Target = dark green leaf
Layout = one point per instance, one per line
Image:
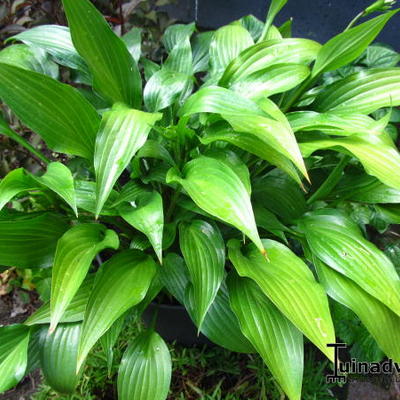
(145, 370)
(115, 73)
(203, 248)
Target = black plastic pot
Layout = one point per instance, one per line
(174, 324)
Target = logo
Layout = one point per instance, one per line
(342, 369)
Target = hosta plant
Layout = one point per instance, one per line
(242, 177)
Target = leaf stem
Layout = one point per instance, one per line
(331, 181)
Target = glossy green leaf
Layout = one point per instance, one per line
(348, 45)
(276, 339)
(203, 248)
(14, 340)
(65, 120)
(220, 324)
(377, 153)
(131, 191)
(366, 189)
(145, 370)
(75, 252)
(115, 73)
(133, 41)
(390, 213)
(334, 123)
(177, 33)
(28, 241)
(253, 25)
(227, 44)
(267, 53)
(146, 215)
(121, 284)
(279, 194)
(33, 59)
(380, 56)
(163, 89)
(123, 132)
(291, 286)
(337, 241)
(180, 58)
(154, 149)
(274, 8)
(257, 145)
(267, 220)
(216, 189)
(74, 311)
(56, 41)
(15, 182)
(274, 79)
(85, 192)
(233, 161)
(59, 179)
(266, 122)
(382, 323)
(363, 92)
(58, 356)
(200, 51)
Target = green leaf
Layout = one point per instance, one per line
(56, 41)
(271, 333)
(265, 120)
(122, 283)
(15, 182)
(274, 79)
(267, 53)
(145, 369)
(348, 45)
(85, 192)
(59, 179)
(29, 240)
(291, 286)
(274, 8)
(233, 161)
(75, 252)
(133, 41)
(220, 324)
(381, 322)
(177, 33)
(227, 43)
(122, 133)
(217, 189)
(154, 149)
(109, 339)
(258, 145)
(337, 241)
(163, 89)
(366, 189)
(363, 92)
(253, 25)
(200, 51)
(267, 220)
(58, 356)
(279, 194)
(115, 73)
(377, 153)
(74, 311)
(180, 58)
(203, 248)
(146, 215)
(14, 340)
(33, 59)
(380, 56)
(334, 123)
(65, 120)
